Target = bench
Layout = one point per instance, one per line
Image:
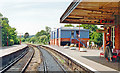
(118, 54)
(114, 56)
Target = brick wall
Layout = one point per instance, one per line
(51, 41)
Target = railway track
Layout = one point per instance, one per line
(20, 64)
(49, 63)
(71, 65)
(52, 61)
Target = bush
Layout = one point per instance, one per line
(16, 41)
(23, 40)
(11, 42)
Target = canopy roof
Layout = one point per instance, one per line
(91, 11)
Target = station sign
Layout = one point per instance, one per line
(101, 31)
(107, 21)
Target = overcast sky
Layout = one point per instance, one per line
(33, 15)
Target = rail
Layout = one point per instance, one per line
(45, 64)
(70, 62)
(19, 58)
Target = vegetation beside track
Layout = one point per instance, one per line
(42, 37)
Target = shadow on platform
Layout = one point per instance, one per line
(102, 60)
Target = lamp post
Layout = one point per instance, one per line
(7, 38)
(20, 37)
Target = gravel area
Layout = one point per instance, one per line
(35, 62)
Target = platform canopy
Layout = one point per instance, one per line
(91, 12)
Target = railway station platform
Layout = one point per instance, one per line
(7, 50)
(90, 59)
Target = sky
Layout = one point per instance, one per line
(33, 15)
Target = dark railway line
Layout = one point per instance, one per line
(69, 63)
(52, 62)
(49, 63)
(20, 64)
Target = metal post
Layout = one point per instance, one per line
(79, 36)
(7, 38)
(20, 39)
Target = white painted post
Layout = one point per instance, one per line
(103, 42)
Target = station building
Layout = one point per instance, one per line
(96, 12)
(69, 35)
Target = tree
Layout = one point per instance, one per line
(23, 39)
(26, 35)
(97, 38)
(0, 19)
(27, 39)
(48, 29)
(33, 39)
(43, 39)
(42, 32)
(1, 14)
(8, 32)
(93, 35)
(43, 36)
(90, 27)
(68, 25)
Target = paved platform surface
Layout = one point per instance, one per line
(7, 50)
(80, 57)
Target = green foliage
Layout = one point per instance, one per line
(27, 40)
(42, 37)
(10, 32)
(23, 39)
(93, 35)
(42, 32)
(32, 39)
(97, 38)
(90, 27)
(16, 41)
(26, 35)
(1, 14)
(48, 29)
(68, 25)
(11, 42)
